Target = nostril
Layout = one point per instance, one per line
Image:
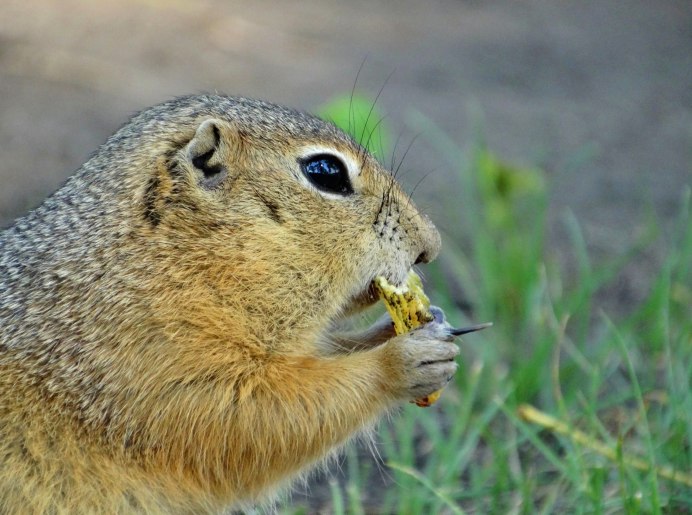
(422, 258)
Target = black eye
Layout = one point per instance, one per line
(328, 173)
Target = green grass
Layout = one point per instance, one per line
(623, 383)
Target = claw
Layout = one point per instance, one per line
(469, 329)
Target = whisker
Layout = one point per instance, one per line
(374, 129)
(351, 113)
(380, 145)
(408, 148)
(372, 107)
(395, 172)
(410, 195)
(396, 145)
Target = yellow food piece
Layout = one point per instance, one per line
(409, 308)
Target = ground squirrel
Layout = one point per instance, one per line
(166, 317)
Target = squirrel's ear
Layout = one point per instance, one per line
(205, 153)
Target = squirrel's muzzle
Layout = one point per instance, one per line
(427, 245)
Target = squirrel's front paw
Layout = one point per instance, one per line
(422, 360)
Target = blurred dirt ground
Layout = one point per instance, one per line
(600, 93)
(597, 93)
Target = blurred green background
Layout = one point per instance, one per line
(550, 142)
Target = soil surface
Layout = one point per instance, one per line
(598, 94)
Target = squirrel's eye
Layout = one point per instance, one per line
(328, 173)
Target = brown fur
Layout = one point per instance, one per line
(165, 336)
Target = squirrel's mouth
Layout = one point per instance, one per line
(367, 294)
(362, 300)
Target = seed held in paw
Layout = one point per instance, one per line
(409, 307)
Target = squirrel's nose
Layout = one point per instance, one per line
(422, 258)
(430, 241)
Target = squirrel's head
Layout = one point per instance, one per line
(275, 212)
